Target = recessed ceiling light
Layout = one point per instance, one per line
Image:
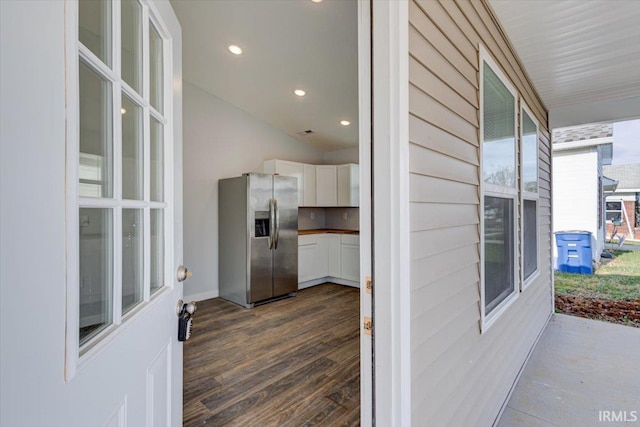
(300, 92)
(235, 49)
(316, 1)
(123, 110)
(345, 122)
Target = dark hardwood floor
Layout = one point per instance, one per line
(293, 362)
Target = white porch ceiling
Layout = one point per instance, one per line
(287, 45)
(583, 57)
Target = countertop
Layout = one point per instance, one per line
(326, 231)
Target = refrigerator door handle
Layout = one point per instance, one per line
(277, 232)
(271, 221)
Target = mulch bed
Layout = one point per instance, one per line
(615, 311)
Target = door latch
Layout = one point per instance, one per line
(185, 319)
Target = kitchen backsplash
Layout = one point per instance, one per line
(319, 218)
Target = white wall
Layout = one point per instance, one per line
(575, 193)
(221, 141)
(338, 157)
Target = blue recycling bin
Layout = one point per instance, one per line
(574, 252)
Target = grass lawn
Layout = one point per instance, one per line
(619, 279)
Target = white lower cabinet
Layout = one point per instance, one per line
(329, 256)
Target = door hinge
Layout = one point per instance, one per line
(367, 325)
(368, 284)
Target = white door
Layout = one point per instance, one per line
(91, 213)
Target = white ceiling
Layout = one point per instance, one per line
(583, 57)
(286, 45)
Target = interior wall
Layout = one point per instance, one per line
(221, 141)
(338, 157)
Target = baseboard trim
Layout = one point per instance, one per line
(201, 296)
(328, 279)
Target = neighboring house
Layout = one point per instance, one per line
(579, 156)
(623, 205)
(461, 205)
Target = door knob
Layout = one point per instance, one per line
(183, 273)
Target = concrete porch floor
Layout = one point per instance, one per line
(579, 367)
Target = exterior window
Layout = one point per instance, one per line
(529, 193)
(120, 164)
(614, 211)
(499, 187)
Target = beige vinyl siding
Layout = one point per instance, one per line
(461, 376)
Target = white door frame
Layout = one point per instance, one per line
(391, 251)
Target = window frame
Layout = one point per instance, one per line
(77, 356)
(529, 195)
(606, 211)
(492, 190)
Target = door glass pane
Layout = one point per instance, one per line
(155, 68)
(96, 261)
(529, 154)
(94, 30)
(157, 249)
(530, 236)
(131, 150)
(157, 161)
(96, 142)
(132, 258)
(499, 144)
(132, 43)
(498, 250)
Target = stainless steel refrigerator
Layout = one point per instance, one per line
(258, 238)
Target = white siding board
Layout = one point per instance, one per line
(431, 33)
(435, 298)
(428, 216)
(427, 270)
(460, 375)
(436, 190)
(428, 136)
(431, 163)
(451, 31)
(430, 242)
(428, 56)
(427, 108)
(429, 83)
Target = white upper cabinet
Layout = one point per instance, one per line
(348, 185)
(286, 168)
(320, 185)
(309, 185)
(326, 185)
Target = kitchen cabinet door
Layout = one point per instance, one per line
(350, 258)
(309, 185)
(326, 185)
(323, 255)
(286, 168)
(334, 256)
(307, 263)
(348, 185)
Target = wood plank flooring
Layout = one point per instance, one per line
(293, 362)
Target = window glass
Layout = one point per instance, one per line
(157, 161)
(132, 43)
(498, 250)
(95, 271)
(614, 211)
(157, 249)
(96, 142)
(530, 236)
(132, 156)
(155, 69)
(132, 258)
(499, 138)
(529, 154)
(94, 29)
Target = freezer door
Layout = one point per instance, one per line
(260, 230)
(285, 252)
